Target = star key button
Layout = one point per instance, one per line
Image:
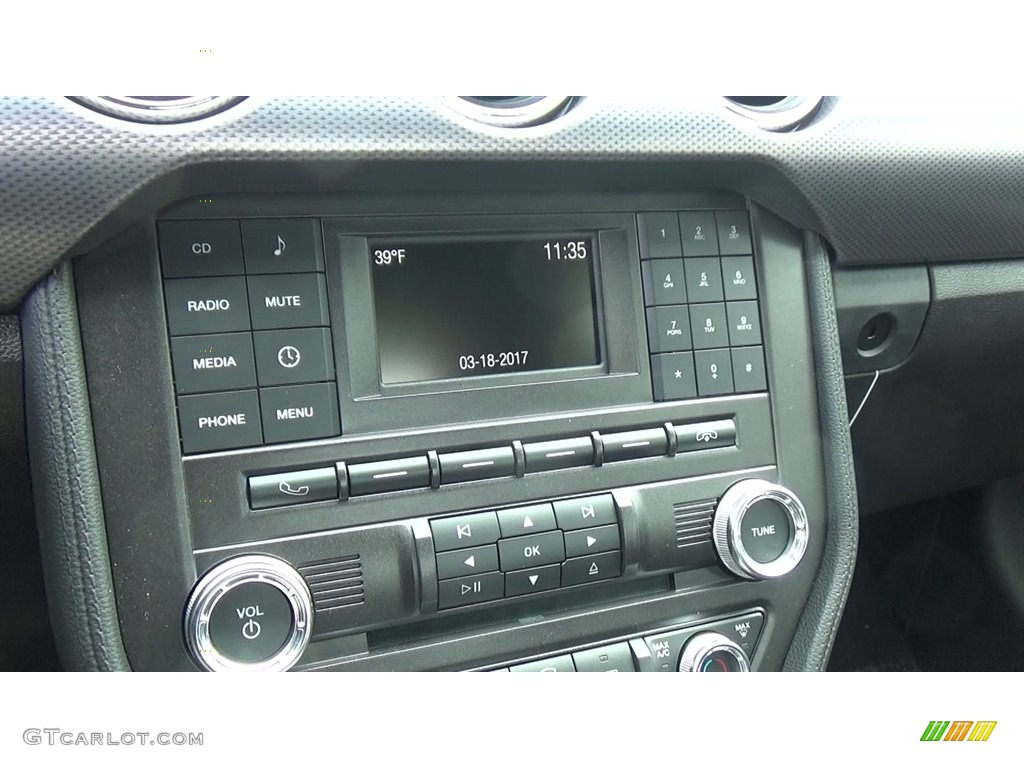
(673, 376)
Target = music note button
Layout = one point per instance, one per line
(274, 246)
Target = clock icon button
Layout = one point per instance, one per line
(288, 356)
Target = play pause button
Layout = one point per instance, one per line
(451, 593)
(533, 580)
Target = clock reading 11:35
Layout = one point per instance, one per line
(566, 250)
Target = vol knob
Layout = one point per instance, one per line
(250, 613)
(760, 529)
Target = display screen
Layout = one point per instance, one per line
(479, 307)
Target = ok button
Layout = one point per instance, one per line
(531, 551)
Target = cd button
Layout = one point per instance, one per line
(200, 248)
(525, 551)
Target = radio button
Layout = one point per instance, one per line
(453, 593)
(467, 562)
(532, 580)
(709, 326)
(477, 465)
(464, 531)
(709, 434)
(733, 233)
(668, 329)
(583, 570)
(211, 363)
(526, 551)
(282, 245)
(698, 233)
(673, 376)
(293, 357)
(659, 233)
(638, 444)
(303, 412)
(523, 520)
(288, 301)
(393, 475)
(200, 248)
(206, 305)
(220, 421)
(587, 541)
(588, 512)
(288, 488)
(714, 372)
(559, 454)
(664, 282)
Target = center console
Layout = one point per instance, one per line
(456, 434)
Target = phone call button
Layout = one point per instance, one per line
(293, 488)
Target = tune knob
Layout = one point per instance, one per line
(712, 652)
(760, 530)
(250, 613)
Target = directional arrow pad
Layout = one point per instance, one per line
(533, 580)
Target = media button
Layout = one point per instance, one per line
(299, 413)
(282, 245)
(220, 421)
(288, 301)
(212, 363)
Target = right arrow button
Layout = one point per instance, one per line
(590, 541)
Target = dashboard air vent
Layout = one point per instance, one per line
(161, 110)
(511, 111)
(335, 583)
(775, 113)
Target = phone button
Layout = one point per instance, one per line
(293, 488)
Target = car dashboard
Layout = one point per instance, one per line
(493, 384)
